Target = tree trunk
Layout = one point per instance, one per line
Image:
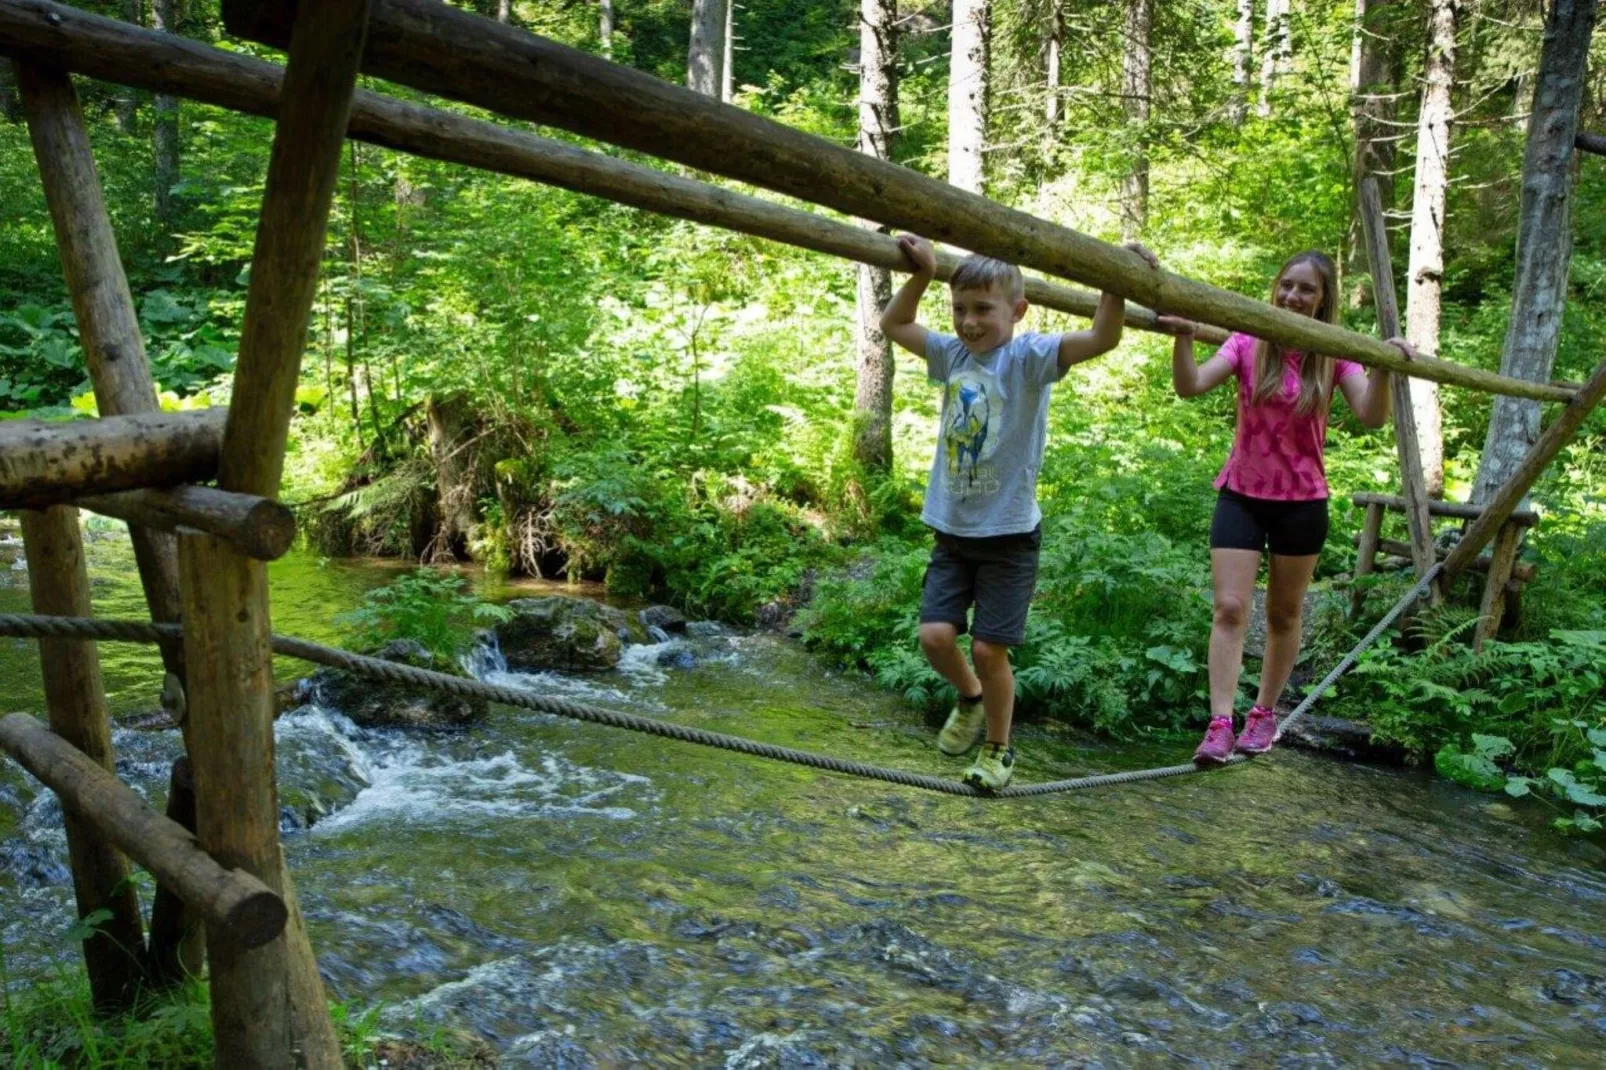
(503, 10)
(452, 429)
(127, 101)
(1425, 271)
(1243, 58)
(727, 68)
(967, 96)
(1135, 84)
(1544, 238)
(1278, 52)
(878, 120)
(1374, 73)
(605, 26)
(165, 136)
(1051, 61)
(706, 53)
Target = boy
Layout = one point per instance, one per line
(981, 500)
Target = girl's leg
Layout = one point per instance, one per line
(1233, 573)
(1285, 605)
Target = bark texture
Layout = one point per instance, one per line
(1243, 60)
(705, 54)
(165, 134)
(878, 119)
(967, 96)
(1135, 85)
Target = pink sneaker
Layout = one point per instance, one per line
(1260, 731)
(1217, 745)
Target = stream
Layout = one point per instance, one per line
(581, 896)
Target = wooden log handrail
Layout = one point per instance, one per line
(260, 528)
(439, 49)
(44, 463)
(232, 899)
(1522, 571)
(1526, 518)
(1594, 143)
(1497, 510)
(118, 52)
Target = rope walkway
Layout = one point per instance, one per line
(35, 627)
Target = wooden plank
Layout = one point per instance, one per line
(259, 527)
(58, 585)
(115, 51)
(1493, 610)
(43, 463)
(1412, 482)
(1498, 509)
(440, 49)
(227, 899)
(1521, 572)
(1459, 510)
(1366, 555)
(268, 1005)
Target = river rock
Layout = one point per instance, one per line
(667, 618)
(561, 633)
(1342, 738)
(376, 704)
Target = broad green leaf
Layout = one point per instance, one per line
(1517, 787)
(1492, 747)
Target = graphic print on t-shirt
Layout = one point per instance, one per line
(972, 410)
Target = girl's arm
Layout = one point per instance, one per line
(1370, 395)
(1188, 378)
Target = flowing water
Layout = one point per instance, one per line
(581, 896)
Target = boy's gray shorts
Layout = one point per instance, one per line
(997, 574)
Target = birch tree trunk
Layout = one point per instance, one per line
(127, 101)
(878, 121)
(1051, 61)
(706, 53)
(1135, 85)
(727, 65)
(1425, 271)
(1544, 238)
(605, 26)
(967, 96)
(1243, 58)
(166, 133)
(1278, 52)
(502, 10)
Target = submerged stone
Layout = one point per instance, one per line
(667, 618)
(384, 703)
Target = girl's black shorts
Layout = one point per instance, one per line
(1292, 529)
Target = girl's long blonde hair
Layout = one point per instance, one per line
(1315, 373)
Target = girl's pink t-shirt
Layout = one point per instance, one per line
(1277, 453)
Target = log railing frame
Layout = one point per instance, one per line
(44, 463)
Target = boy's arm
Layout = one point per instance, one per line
(898, 321)
(1108, 320)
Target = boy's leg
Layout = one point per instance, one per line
(1005, 581)
(945, 597)
(939, 640)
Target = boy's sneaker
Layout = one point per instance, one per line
(966, 726)
(1260, 731)
(993, 768)
(1217, 745)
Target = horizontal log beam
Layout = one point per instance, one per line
(439, 49)
(260, 528)
(1595, 143)
(162, 63)
(231, 898)
(43, 463)
(1521, 571)
(1526, 518)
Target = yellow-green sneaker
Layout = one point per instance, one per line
(966, 726)
(994, 766)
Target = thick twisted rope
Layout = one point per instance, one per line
(35, 627)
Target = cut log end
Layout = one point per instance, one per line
(257, 916)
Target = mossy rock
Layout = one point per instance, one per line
(386, 704)
(557, 633)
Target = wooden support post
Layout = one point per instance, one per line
(1501, 560)
(268, 1003)
(1412, 482)
(440, 49)
(1366, 555)
(178, 933)
(1499, 508)
(59, 586)
(95, 797)
(43, 464)
(259, 527)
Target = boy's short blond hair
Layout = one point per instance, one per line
(977, 272)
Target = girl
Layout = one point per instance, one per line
(1273, 489)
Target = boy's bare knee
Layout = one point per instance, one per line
(937, 635)
(989, 657)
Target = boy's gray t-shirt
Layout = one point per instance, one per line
(991, 437)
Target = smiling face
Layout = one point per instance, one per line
(1300, 289)
(985, 318)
